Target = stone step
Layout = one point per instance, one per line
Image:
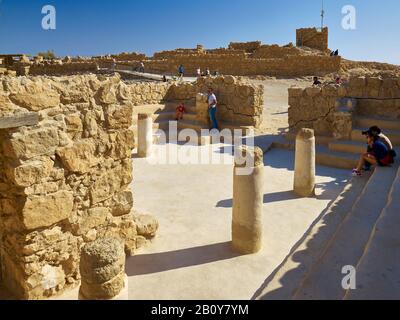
(378, 271)
(187, 124)
(159, 117)
(348, 147)
(384, 124)
(190, 116)
(321, 140)
(378, 107)
(149, 109)
(341, 160)
(350, 240)
(287, 279)
(232, 126)
(393, 135)
(189, 106)
(162, 125)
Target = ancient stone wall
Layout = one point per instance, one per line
(65, 181)
(248, 47)
(239, 102)
(63, 69)
(275, 51)
(238, 65)
(312, 38)
(317, 108)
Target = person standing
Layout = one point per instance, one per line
(181, 71)
(198, 72)
(212, 108)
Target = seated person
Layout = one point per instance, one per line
(376, 131)
(180, 110)
(316, 82)
(378, 154)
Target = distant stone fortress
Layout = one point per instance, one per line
(309, 57)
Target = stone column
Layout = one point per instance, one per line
(304, 171)
(102, 269)
(145, 135)
(248, 201)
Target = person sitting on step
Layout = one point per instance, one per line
(180, 110)
(378, 155)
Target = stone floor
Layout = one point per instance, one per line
(191, 258)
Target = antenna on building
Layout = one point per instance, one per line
(322, 15)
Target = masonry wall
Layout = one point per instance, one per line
(65, 181)
(312, 38)
(63, 69)
(317, 108)
(238, 65)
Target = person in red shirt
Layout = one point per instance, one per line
(180, 110)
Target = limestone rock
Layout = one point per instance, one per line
(146, 225)
(31, 172)
(119, 117)
(80, 157)
(44, 211)
(26, 146)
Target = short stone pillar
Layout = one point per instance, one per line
(248, 196)
(102, 269)
(145, 135)
(304, 171)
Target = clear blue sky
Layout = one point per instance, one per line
(91, 27)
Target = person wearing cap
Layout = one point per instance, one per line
(378, 154)
(376, 131)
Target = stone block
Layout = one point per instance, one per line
(47, 210)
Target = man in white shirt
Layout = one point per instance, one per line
(212, 108)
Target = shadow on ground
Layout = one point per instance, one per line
(315, 247)
(286, 161)
(165, 261)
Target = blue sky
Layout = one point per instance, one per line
(91, 27)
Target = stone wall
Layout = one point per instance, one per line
(312, 38)
(275, 51)
(320, 108)
(65, 181)
(248, 47)
(63, 69)
(238, 65)
(239, 102)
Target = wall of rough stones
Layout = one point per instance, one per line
(239, 102)
(276, 52)
(317, 107)
(312, 38)
(65, 181)
(63, 69)
(236, 64)
(248, 47)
